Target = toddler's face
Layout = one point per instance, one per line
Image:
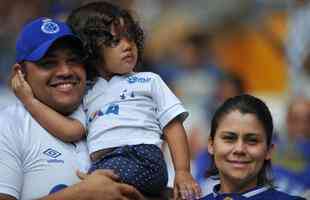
(121, 55)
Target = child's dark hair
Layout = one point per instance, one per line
(246, 104)
(92, 23)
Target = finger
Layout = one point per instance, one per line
(190, 192)
(108, 173)
(112, 175)
(197, 190)
(14, 83)
(175, 192)
(21, 79)
(15, 68)
(20, 76)
(185, 194)
(131, 192)
(81, 175)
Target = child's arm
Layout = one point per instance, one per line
(184, 184)
(65, 128)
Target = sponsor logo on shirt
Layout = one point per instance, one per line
(112, 109)
(135, 79)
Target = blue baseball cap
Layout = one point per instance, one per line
(38, 35)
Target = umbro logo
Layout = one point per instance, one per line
(51, 153)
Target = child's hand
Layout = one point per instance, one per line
(20, 87)
(185, 187)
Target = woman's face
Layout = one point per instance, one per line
(239, 148)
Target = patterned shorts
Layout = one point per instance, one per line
(142, 166)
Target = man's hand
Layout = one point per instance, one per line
(103, 185)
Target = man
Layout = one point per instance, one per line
(33, 163)
(292, 156)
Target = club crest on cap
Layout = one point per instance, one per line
(49, 26)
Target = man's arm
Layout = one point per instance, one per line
(6, 197)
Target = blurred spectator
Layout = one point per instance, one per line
(298, 47)
(301, 76)
(255, 51)
(195, 82)
(292, 155)
(229, 85)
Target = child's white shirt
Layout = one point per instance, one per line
(128, 110)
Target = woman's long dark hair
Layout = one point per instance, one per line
(246, 104)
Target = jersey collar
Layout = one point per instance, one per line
(250, 193)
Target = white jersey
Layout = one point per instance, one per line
(128, 110)
(33, 163)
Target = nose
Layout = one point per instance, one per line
(239, 147)
(126, 44)
(63, 69)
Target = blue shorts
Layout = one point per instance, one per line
(142, 166)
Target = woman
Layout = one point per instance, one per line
(240, 145)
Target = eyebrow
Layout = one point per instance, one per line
(246, 134)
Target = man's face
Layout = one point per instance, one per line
(58, 79)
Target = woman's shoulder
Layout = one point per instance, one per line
(275, 195)
(270, 194)
(208, 197)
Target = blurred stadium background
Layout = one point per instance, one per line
(206, 51)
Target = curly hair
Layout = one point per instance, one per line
(93, 22)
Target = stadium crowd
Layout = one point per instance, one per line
(212, 51)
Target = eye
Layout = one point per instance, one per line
(114, 41)
(46, 64)
(229, 138)
(251, 140)
(76, 60)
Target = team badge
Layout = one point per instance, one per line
(49, 27)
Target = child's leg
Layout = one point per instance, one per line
(142, 166)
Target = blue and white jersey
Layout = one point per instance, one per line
(34, 163)
(128, 110)
(257, 193)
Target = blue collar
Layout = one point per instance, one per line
(250, 193)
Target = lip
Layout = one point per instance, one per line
(64, 80)
(128, 56)
(238, 163)
(64, 86)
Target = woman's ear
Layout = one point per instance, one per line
(269, 152)
(210, 146)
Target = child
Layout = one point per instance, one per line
(127, 113)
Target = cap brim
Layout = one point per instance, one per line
(41, 51)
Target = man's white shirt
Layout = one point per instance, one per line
(34, 163)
